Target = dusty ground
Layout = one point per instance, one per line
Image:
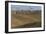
(25, 21)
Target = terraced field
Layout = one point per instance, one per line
(25, 21)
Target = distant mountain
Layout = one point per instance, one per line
(23, 7)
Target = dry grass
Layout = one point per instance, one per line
(25, 20)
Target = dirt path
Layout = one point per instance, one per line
(29, 17)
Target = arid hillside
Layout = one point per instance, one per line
(25, 19)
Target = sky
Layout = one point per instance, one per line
(23, 7)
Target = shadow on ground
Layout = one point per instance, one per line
(30, 25)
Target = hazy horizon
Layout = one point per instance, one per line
(23, 7)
